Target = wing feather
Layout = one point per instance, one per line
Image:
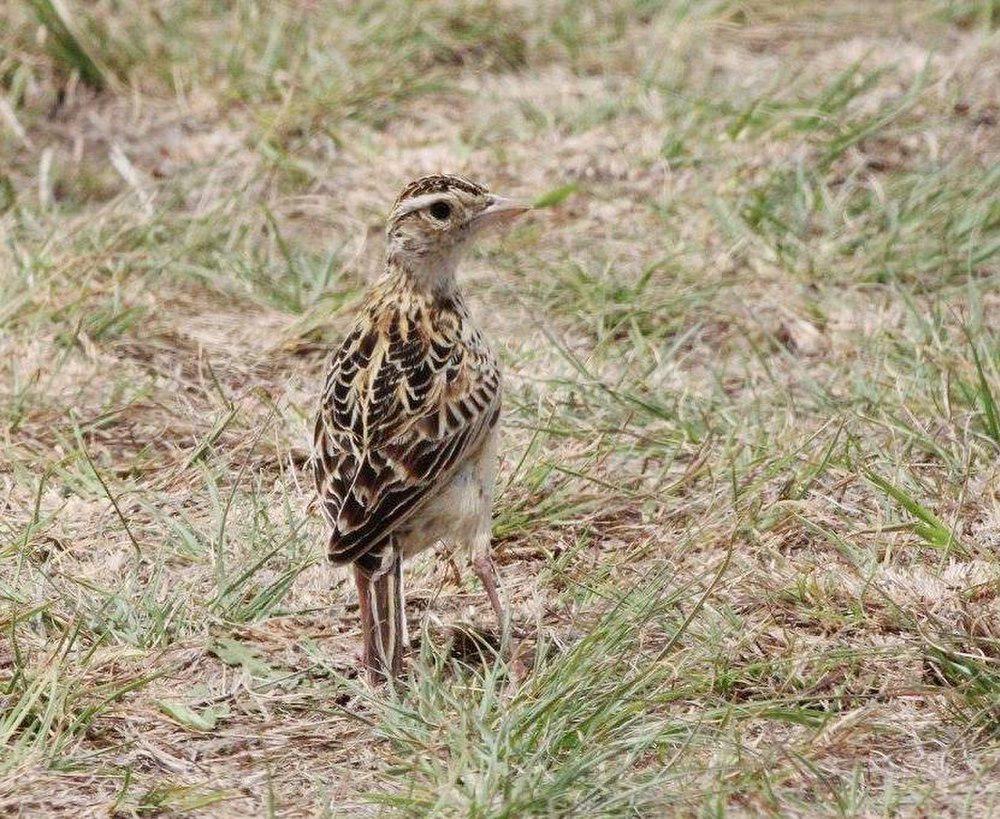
(405, 403)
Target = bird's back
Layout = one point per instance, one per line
(411, 392)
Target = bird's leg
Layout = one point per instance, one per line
(486, 571)
(383, 621)
(483, 566)
(402, 606)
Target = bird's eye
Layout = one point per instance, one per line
(440, 211)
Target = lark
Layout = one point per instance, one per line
(405, 445)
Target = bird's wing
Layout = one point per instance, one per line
(402, 409)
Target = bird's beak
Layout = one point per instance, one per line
(499, 212)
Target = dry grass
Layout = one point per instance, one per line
(751, 482)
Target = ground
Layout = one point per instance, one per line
(749, 500)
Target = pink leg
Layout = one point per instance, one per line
(486, 571)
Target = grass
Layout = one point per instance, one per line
(748, 502)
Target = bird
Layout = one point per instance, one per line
(405, 444)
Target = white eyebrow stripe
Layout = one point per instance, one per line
(418, 202)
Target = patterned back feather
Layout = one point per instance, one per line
(411, 392)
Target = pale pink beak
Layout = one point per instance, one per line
(499, 212)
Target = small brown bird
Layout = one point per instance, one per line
(405, 445)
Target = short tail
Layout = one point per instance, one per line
(383, 625)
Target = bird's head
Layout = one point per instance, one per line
(434, 220)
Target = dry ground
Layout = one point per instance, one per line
(750, 506)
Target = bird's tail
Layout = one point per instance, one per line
(383, 625)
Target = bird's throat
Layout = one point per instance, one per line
(430, 276)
